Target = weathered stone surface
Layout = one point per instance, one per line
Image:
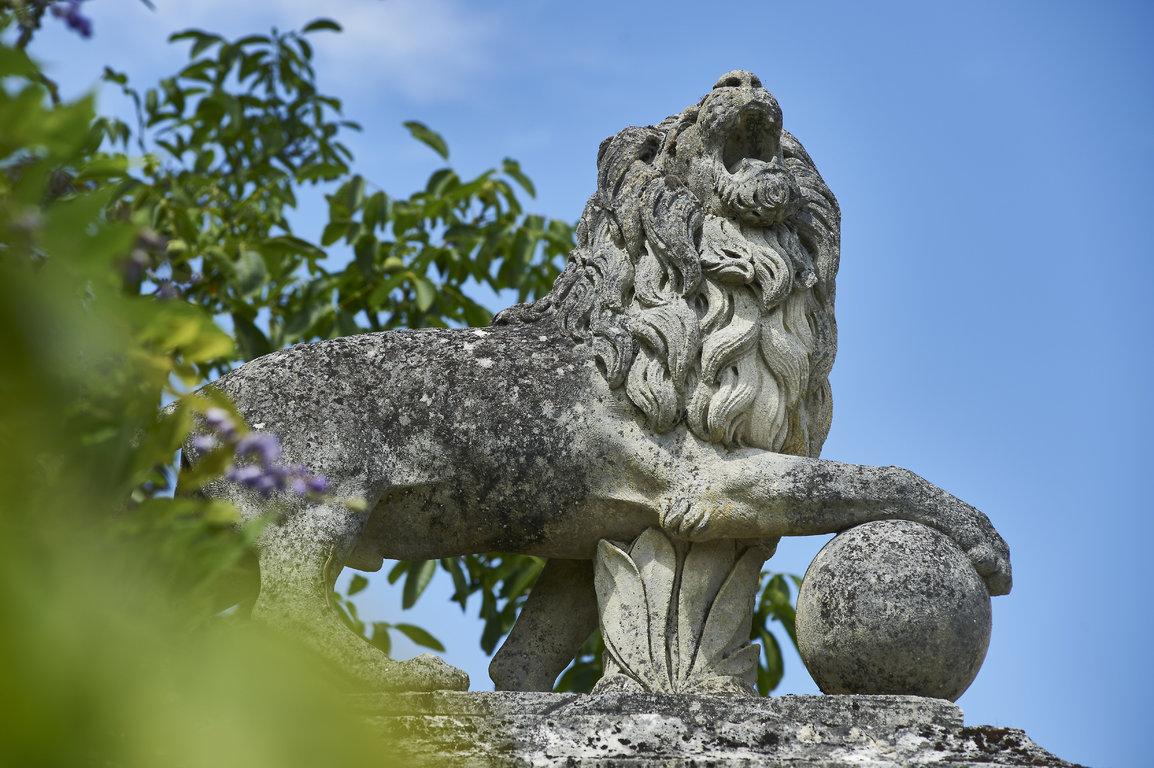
(543, 729)
(675, 377)
(893, 607)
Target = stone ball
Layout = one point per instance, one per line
(893, 607)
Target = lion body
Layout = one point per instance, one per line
(675, 376)
(485, 435)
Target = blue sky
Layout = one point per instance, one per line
(993, 162)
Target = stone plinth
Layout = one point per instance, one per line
(647, 729)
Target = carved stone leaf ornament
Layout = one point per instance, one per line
(676, 615)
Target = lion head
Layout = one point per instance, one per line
(703, 277)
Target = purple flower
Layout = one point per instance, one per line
(204, 443)
(76, 21)
(265, 484)
(219, 421)
(166, 289)
(264, 447)
(245, 474)
(257, 454)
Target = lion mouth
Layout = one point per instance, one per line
(752, 140)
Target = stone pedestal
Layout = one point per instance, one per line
(647, 729)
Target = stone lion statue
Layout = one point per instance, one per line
(675, 377)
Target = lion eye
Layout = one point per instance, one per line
(729, 82)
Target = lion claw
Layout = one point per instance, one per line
(685, 520)
(993, 568)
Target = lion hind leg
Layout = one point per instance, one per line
(558, 616)
(300, 557)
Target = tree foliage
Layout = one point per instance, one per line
(234, 138)
(110, 654)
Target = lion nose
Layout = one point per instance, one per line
(738, 78)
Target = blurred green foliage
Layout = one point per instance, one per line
(109, 653)
(137, 261)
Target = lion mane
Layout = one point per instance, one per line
(703, 277)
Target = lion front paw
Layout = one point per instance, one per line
(686, 519)
(423, 673)
(427, 673)
(993, 566)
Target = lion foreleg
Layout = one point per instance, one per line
(770, 494)
(300, 557)
(558, 616)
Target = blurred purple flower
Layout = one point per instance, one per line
(266, 484)
(257, 454)
(70, 13)
(245, 474)
(204, 443)
(220, 422)
(262, 446)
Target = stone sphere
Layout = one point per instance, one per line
(893, 607)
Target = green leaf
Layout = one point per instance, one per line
(190, 34)
(110, 75)
(476, 315)
(353, 192)
(334, 231)
(460, 585)
(103, 167)
(202, 44)
(433, 139)
(346, 324)
(210, 343)
(300, 322)
(523, 577)
(769, 675)
(492, 633)
(513, 168)
(251, 340)
(580, 678)
(320, 171)
(380, 637)
(441, 182)
(252, 39)
(322, 24)
(419, 636)
(251, 271)
(420, 574)
(376, 211)
(15, 62)
(426, 293)
(357, 584)
(380, 294)
(288, 245)
(365, 251)
(397, 571)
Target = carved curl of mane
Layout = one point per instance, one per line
(706, 319)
